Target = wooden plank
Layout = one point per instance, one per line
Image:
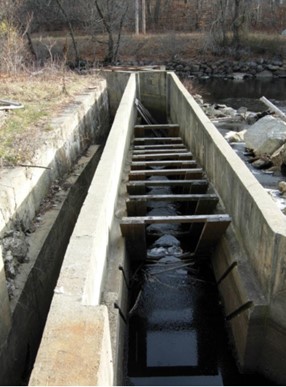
(171, 130)
(163, 156)
(136, 208)
(159, 151)
(157, 126)
(141, 175)
(211, 233)
(172, 198)
(158, 146)
(137, 205)
(135, 240)
(156, 140)
(206, 206)
(186, 186)
(216, 218)
(137, 165)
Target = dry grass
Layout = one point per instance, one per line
(43, 97)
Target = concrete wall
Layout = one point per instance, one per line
(250, 260)
(22, 190)
(152, 92)
(116, 83)
(80, 282)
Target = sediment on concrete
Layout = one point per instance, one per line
(22, 191)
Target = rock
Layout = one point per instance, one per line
(264, 74)
(279, 156)
(282, 187)
(167, 241)
(272, 67)
(228, 111)
(239, 76)
(262, 163)
(232, 136)
(266, 135)
(195, 68)
(283, 33)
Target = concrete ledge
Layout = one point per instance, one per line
(23, 189)
(82, 273)
(259, 232)
(77, 350)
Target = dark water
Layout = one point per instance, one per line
(244, 93)
(177, 334)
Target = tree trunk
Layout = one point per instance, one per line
(70, 29)
(157, 11)
(137, 17)
(143, 17)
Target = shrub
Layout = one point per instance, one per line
(13, 48)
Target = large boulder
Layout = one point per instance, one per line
(264, 74)
(279, 156)
(266, 135)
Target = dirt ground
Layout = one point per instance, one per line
(44, 94)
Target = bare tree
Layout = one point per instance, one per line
(70, 28)
(112, 14)
(239, 21)
(137, 17)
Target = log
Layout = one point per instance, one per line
(273, 108)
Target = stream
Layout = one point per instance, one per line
(246, 93)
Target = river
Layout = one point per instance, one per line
(237, 93)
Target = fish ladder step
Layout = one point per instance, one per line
(197, 204)
(170, 130)
(135, 165)
(139, 187)
(162, 156)
(187, 173)
(210, 229)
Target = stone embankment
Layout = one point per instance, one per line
(225, 68)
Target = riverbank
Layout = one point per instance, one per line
(260, 68)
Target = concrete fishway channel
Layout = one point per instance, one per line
(173, 270)
(165, 343)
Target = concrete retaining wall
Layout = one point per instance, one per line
(22, 190)
(78, 291)
(250, 260)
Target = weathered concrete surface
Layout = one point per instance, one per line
(256, 246)
(34, 284)
(81, 124)
(116, 83)
(152, 92)
(5, 312)
(83, 268)
(81, 350)
(22, 190)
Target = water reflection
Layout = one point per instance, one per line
(243, 92)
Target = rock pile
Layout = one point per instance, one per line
(225, 68)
